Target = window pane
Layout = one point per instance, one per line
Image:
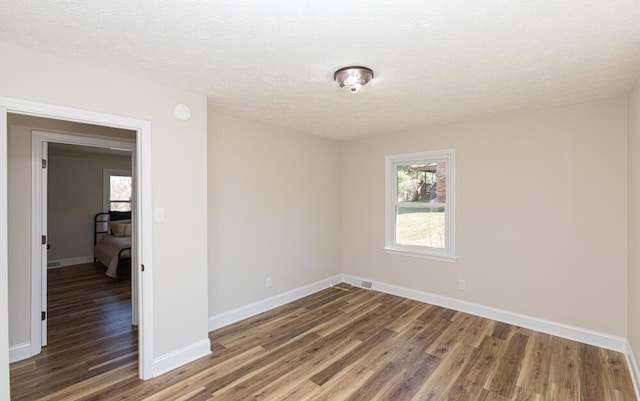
(422, 182)
(120, 206)
(420, 227)
(120, 188)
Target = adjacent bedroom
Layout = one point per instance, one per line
(86, 297)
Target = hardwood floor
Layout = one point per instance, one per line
(346, 343)
(90, 333)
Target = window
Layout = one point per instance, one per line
(420, 204)
(117, 190)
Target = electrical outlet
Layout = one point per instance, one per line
(462, 284)
(268, 282)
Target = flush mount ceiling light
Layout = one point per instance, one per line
(352, 79)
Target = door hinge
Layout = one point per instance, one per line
(44, 315)
(44, 163)
(142, 269)
(44, 239)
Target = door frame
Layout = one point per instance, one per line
(39, 214)
(143, 226)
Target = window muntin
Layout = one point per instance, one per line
(420, 211)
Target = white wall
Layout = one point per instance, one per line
(274, 211)
(179, 168)
(633, 290)
(541, 214)
(75, 195)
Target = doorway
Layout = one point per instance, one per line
(142, 193)
(87, 172)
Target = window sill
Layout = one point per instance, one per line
(404, 252)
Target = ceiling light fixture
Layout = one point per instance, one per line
(352, 79)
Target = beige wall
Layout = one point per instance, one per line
(179, 168)
(634, 221)
(19, 229)
(274, 211)
(70, 127)
(75, 195)
(541, 214)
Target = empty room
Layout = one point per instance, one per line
(325, 200)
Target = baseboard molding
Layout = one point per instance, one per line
(632, 363)
(235, 315)
(19, 352)
(181, 357)
(586, 336)
(574, 333)
(54, 264)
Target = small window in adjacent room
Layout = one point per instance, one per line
(420, 204)
(117, 190)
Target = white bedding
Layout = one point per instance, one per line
(107, 250)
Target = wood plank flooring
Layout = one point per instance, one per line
(346, 343)
(89, 333)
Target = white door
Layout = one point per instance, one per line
(135, 272)
(43, 225)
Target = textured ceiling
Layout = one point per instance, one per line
(435, 62)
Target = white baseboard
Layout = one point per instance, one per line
(574, 333)
(579, 334)
(69, 262)
(632, 363)
(181, 357)
(19, 352)
(235, 315)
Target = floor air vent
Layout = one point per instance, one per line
(367, 284)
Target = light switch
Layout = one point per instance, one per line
(158, 214)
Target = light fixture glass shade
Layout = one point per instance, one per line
(352, 79)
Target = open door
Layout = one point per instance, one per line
(45, 244)
(135, 272)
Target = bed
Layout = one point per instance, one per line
(112, 242)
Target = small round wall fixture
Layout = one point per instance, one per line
(353, 79)
(182, 112)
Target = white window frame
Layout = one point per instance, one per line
(107, 173)
(447, 254)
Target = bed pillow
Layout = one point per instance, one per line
(120, 229)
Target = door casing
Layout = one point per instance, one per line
(143, 226)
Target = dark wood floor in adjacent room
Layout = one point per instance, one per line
(343, 343)
(90, 334)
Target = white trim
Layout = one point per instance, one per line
(243, 312)
(19, 352)
(142, 240)
(4, 262)
(81, 260)
(579, 334)
(447, 254)
(402, 252)
(181, 357)
(632, 363)
(143, 194)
